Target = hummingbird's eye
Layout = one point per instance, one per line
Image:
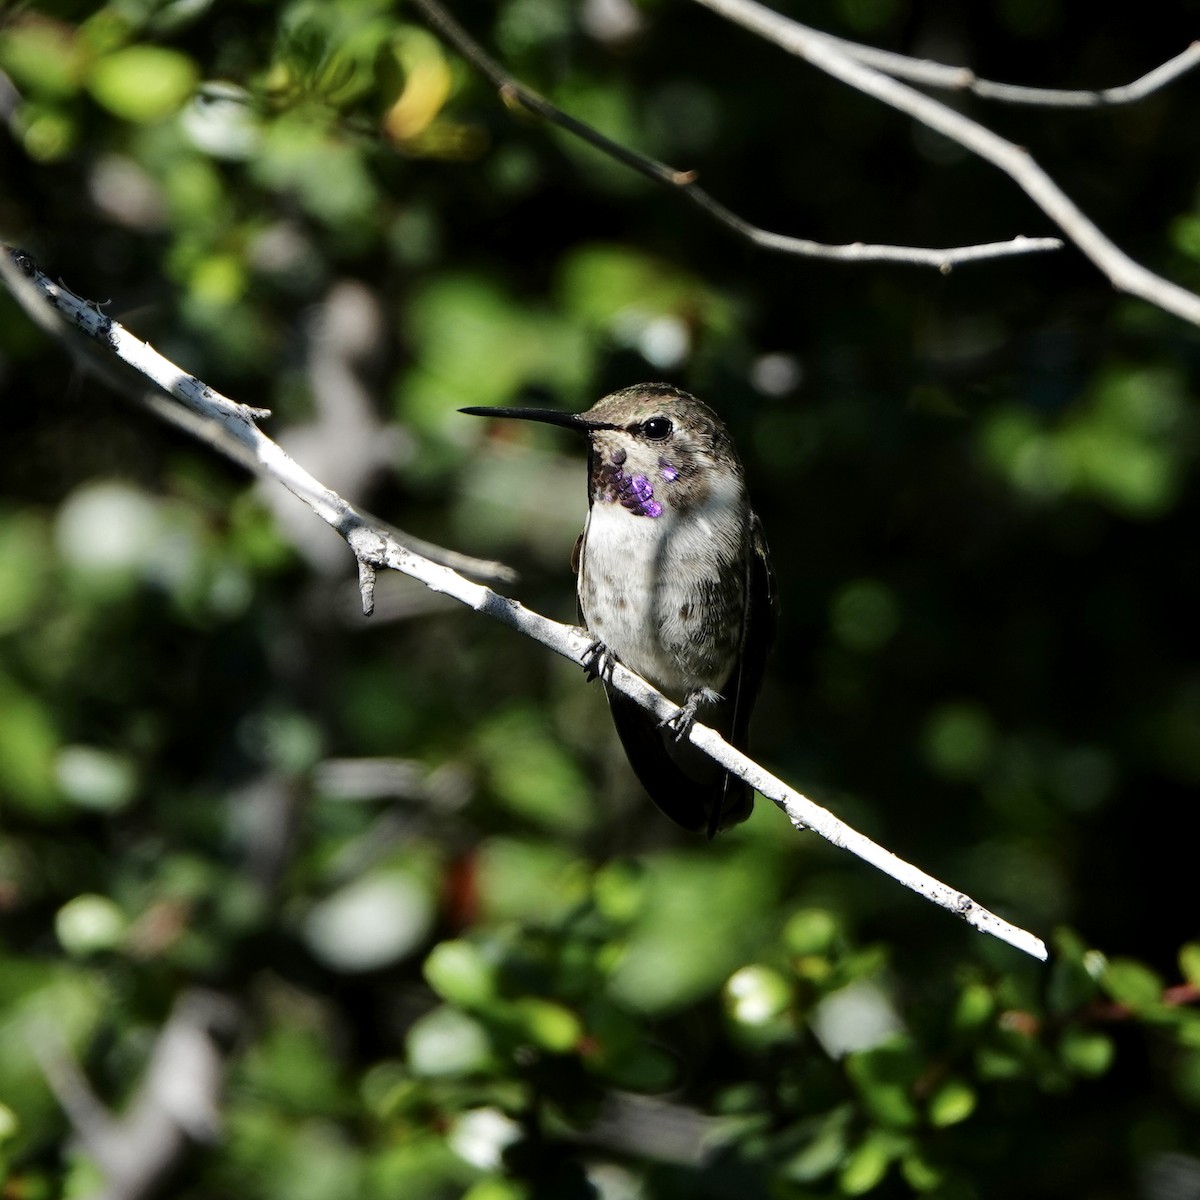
(657, 428)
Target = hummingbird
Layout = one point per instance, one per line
(674, 581)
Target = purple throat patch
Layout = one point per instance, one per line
(632, 492)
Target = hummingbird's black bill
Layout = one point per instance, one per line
(547, 416)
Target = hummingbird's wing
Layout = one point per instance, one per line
(758, 633)
(686, 785)
(654, 755)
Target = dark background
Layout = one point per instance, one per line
(979, 492)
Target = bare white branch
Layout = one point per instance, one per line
(376, 547)
(176, 1107)
(963, 79)
(1015, 161)
(944, 260)
(514, 92)
(576, 644)
(221, 423)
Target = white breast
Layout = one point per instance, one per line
(644, 583)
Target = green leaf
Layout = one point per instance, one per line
(532, 774)
(974, 1008)
(885, 1076)
(1129, 982)
(43, 57)
(959, 740)
(619, 891)
(1086, 1052)
(920, 1174)
(757, 995)
(28, 743)
(992, 1064)
(528, 881)
(824, 1151)
(143, 83)
(953, 1102)
(89, 924)
(496, 1187)
(292, 1065)
(811, 931)
(23, 568)
(1187, 1028)
(458, 972)
(478, 344)
(864, 615)
(549, 1025)
(602, 284)
(701, 915)
(1189, 962)
(868, 1163)
(1075, 972)
(637, 1068)
(329, 176)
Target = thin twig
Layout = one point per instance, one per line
(514, 92)
(963, 79)
(375, 547)
(1015, 161)
(222, 424)
(176, 1106)
(90, 1117)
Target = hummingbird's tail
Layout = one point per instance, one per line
(687, 786)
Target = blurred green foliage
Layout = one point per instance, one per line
(469, 957)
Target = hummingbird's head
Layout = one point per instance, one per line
(658, 430)
(652, 444)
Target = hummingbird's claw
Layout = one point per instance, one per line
(598, 661)
(681, 722)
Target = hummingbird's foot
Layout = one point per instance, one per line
(598, 661)
(683, 720)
